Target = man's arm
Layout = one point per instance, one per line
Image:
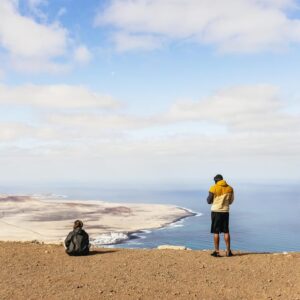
(68, 239)
(231, 198)
(210, 198)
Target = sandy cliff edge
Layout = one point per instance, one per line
(35, 271)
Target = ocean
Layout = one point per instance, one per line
(263, 218)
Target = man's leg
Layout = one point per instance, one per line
(227, 241)
(216, 241)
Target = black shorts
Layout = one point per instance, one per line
(219, 222)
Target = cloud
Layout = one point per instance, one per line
(241, 110)
(37, 47)
(177, 160)
(82, 54)
(55, 97)
(23, 37)
(254, 118)
(251, 121)
(232, 26)
(33, 4)
(13, 131)
(257, 108)
(71, 130)
(62, 11)
(34, 7)
(125, 42)
(36, 65)
(93, 124)
(2, 74)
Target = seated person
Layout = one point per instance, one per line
(77, 241)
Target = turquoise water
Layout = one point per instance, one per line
(262, 218)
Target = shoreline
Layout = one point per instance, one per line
(134, 235)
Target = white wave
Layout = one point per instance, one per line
(197, 214)
(134, 243)
(145, 231)
(141, 236)
(110, 238)
(107, 246)
(162, 228)
(175, 225)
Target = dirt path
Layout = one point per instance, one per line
(32, 271)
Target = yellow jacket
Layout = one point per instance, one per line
(223, 196)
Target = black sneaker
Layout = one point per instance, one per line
(215, 254)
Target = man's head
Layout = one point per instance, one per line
(78, 224)
(218, 178)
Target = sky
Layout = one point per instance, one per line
(163, 92)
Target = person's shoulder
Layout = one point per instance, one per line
(212, 189)
(70, 233)
(230, 189)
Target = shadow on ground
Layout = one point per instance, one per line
(101, 252)
(250, 253)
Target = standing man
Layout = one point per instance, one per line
(220, 196)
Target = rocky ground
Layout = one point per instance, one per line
(35, 271)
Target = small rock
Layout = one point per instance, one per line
(35, 242)
(171, 247)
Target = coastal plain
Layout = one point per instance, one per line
(44, 271)
(27, 218)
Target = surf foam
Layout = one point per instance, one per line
(110, 238)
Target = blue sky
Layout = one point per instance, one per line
(153, 91)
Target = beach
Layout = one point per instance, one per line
(27, 218)
(43, 271)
